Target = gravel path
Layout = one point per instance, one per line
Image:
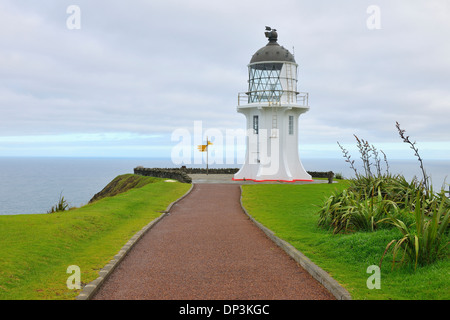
(208, 249)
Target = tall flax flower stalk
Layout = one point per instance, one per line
(364, 150)
(416, 152)
(347, 157)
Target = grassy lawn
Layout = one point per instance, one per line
(35, 250)
(290, 211)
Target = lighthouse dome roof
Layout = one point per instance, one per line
(272, 51)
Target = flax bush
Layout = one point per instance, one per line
(377, 199)
(350, 211)
(425, 240)
(62, 205)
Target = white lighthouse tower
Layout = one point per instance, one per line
(272, 107)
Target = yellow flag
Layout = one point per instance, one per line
(202, 148)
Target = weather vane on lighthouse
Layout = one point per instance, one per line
(272, 106)
(271, 34)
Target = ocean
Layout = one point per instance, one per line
(34, 185)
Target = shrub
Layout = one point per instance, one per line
(339, 176)
(426, 239)
(62, 205)
(374, 199)
(350, 211)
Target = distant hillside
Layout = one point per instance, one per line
(122, 184)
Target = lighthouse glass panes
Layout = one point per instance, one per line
(265, 83)
(272, 82)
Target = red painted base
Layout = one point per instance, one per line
(271, 180)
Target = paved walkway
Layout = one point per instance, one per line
(207, 248)
(228, 178)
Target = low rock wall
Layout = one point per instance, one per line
(182, 174)
(175, 174)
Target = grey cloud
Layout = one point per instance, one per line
(153, 66)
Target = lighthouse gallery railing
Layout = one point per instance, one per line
(272, 97)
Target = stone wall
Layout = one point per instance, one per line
(182, 174)
(210, 171)
(175, 174)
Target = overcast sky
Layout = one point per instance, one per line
(138, 70)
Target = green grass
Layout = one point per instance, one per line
(291, 212)
(35, 250)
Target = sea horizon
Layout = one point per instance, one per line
(32, 185)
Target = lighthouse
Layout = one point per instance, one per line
(272, 107)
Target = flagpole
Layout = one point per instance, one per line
(203, 148)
